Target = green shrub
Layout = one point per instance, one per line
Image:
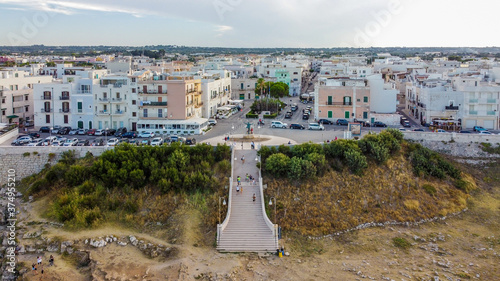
(26, 154)
(401, 243)
(431, 190)
(52, 156)
(355, 161)
(252, 115)
(462, 185)
(278, 164)
(35, 152)
(271, 116)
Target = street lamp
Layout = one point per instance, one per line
(106, 136)
(270, 204)
(223, 203)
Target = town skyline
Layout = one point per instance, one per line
(239, 24)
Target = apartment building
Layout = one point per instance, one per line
(67, 101)
(170, 105)
(244, 88)
(216, 91)
(16, 95)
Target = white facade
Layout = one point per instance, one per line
(216, 91)
(383, 98)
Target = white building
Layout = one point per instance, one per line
(216, 91)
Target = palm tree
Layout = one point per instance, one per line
(261, 84)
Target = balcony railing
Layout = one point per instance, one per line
(119, 112)
(198, 105)
(154, 103)
(472, 112)
(491, 113)
(63, 97)
(491, 101)
(46, 97)
(84, 91)
(116, 100)
(117, 85)
(45, 110)
(338, 103)
(451, 107)
(473, 100)
(189, 103)
(104, 99)
(64, 110)
(421, 105)
(152, 93)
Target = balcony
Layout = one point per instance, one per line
(118, 112)
(198, 105)
(189, 103)
(64, 110)
(116, 100)
(104, 99)
(421, 105)
(154, 103)
(45, 110)
(451, 107)
(63, 97)
(152, 93)
(491, 113)
(472, 112)
(491, 101)
(84, 92)
(338, 103)
(46, 97)
(473, 100)
(151, 117)
(117, 85)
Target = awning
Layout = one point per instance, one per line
(12, 116)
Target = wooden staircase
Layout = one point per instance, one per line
(246, 227)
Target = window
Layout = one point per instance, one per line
(365, 99)
(133, 90)
(347, 101)
(160, 113)
(133, 80)
(133, 102)
(16, 75)
(3, 100)
(80, 107)
(145, 112)
(66, 119)
(330, 100)
(347, 114)
(47, 119)
(46, 106)
(330, 114)
(134, 114)
(365, 115)
(26, 108)
(26, 97)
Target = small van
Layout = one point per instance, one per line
(316, 126)
(279, 124)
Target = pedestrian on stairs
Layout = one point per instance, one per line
(247, 179)
(237, 188)
(253, 197)
(238, 179)
(243, 159)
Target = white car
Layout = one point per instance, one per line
(316, 126)
(58, 143)
(112, 142)
(99, 132)
(485, 133)
(147, 135)
(35, 142)
(49, 140)
(71, 142)
(73, 132)
(156, 141)
(212, 122)
(24, 139)
(279, 124)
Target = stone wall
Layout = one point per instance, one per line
(448, 137)
(26, 161)
(9, 135)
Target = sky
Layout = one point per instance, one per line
(251, 23)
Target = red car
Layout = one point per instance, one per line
(91, 132)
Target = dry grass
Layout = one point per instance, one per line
(341, 200)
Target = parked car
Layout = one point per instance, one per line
(146, 141)
(342, 122)
(305, 116)
(57, 143)
(64, 130)
(99, 132)
(147, 135)
(109, 132)
(97, 142)
(288, 115)
(294, 107)
(134, 142)
(418, 130)
(379, 124)
(73, 132)
(82, 132)
(71, 142)
(479, 129)
(34, 135)
(325, 122)
(120, 131)
(190, 141)
(212, 122)
(316, 126)
(465, 132)
(44, 130)
(157, 141)
(83, 143)
(122, 140)
(59, 138)
(25, 139)
(91, 132)
(36, 142)
(55, 129)
(278, 124)
(485, 133)
(112, 142)
(297, 127)
(441, 131)
(405, 122)
(130, 135)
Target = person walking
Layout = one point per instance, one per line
(51, 260)
(238, 189)
(238, 179)
(39, 260)
(33, 268)
(243, 158)
(247, 178)
(254, 197)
